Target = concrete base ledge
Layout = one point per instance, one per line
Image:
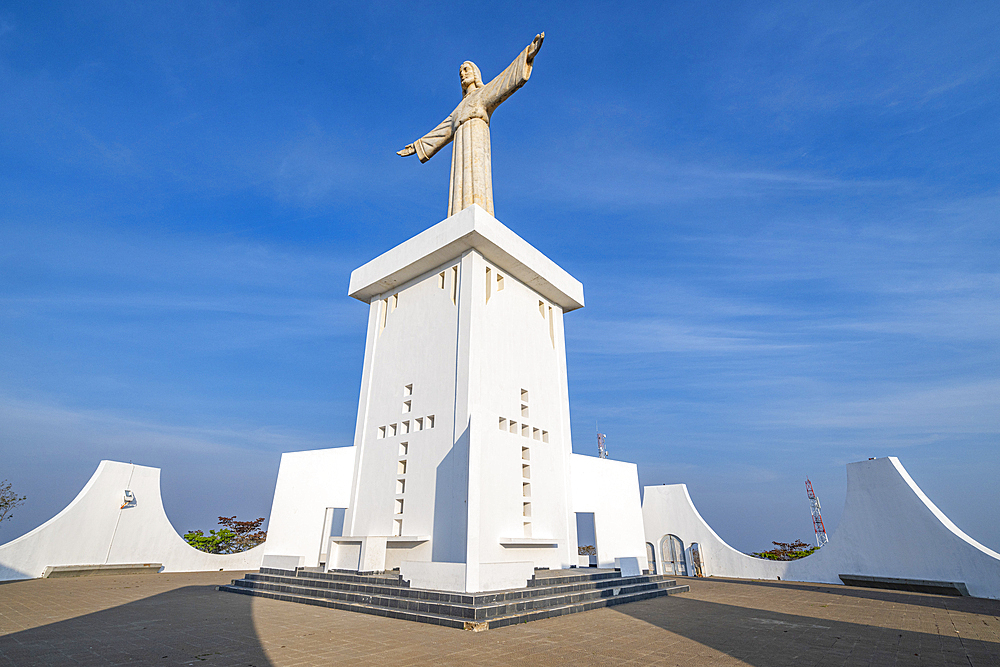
(54, 571)
(956, 588)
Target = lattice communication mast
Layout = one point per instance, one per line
(602, 450)
(821, 538)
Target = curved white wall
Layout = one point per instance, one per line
(889, 528)
(94, 530)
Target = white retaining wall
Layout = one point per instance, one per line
(889, 528)
(610, 489)
(95, 530)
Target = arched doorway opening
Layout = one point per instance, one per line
(672, 551)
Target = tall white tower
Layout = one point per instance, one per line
(462, 471)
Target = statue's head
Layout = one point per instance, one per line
(470, 76)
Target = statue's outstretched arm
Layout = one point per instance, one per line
(512, 78)
(426, 146)
(408, 149)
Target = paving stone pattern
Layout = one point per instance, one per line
(180, 619)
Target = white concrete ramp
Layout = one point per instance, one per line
(102, 527)
(889, 529)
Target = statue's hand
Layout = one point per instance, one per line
(407, 150)
(535, 45)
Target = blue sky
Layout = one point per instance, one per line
(785, 217)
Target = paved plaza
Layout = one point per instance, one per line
(180, 619)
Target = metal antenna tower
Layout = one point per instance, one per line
(821, 538)
(602, 450)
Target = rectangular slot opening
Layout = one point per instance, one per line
(401, 468)
(404, 428)
(381, 432)
(403, 448)
(392, 429)
(454, 284)
(526, 510)
(499, 282)
(488, 286)
(526, 489)
(399, 506)
(525, 471)
(408, 388)
(397, 527)
(545, 436)
(541, 309)
(525, 430)
(441, 280)
(552, 327)
(430, 421)
(400, 486)
(524, 395)
(383, 315)
(527, 529)
(406, 406)
(418, 424)
(524, 410)
(513, 426)
(503, 424)
(394, 302)
(536, 433)
(525, 454)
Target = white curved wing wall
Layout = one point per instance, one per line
(889, 528)
(94, 530)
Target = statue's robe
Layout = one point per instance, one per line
(469, 127)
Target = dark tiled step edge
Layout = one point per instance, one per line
(468, 612)
(447, 621)
(369, 587)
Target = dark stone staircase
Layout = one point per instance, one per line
(549, 593)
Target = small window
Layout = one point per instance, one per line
(408, 388)
(525, 471)
(384, 314)
(400, 486)
(503, 424)
(536, 433)
(526, 510)
(403, 448)
(525, 430)
(397, 527)
(418, 424)
(406, 407)
(441, 280)
(404, 428)
(399, 506)
(526, 489)
(499, 282)
(392, 430)
(381, 432)
(454, 284)
(524, 395)
(401, 468)
(513, 426)
(545, 436)
(525, 454)
(541, 309)
(552, 327)
(524, 410)
(488, 285)
(430, 421)
(394, 302)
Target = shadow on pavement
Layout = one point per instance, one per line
(956, 603)
(188, 625)
(768, 639)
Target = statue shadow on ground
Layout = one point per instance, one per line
(768, 638)
(186, 625)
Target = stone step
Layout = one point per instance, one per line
(427, 616)
(550, 597)
(555, 585)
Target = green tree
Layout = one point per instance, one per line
(234, 536)
(9, 501)
(786, 551)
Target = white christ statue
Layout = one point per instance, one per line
(469, 127)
